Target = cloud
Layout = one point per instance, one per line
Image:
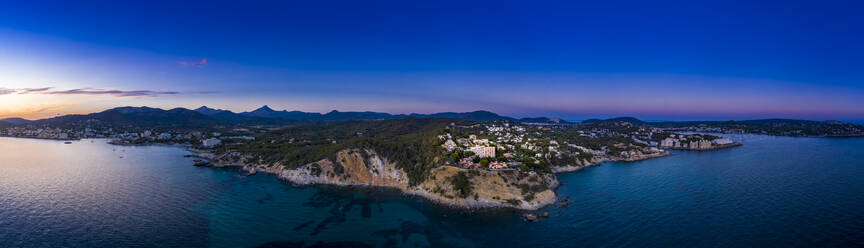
(194, 63)
(5, 91)
(117, 93)
(95, 91)
(33, 90)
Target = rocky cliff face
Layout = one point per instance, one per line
(596, 160)
(582, 164)
(490, 188)
(365, 167)
(351, 168)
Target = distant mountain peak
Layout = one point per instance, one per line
(210, 111)
(266, 112)
(265, 108)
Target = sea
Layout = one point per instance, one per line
(770, 192)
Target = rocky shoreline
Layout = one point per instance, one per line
(596, 162)
(492, 189)
(39, 138)
(714, 147)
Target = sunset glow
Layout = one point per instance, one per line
(540, 64)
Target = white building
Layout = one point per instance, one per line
(483, 151)
(497, 165)
(449, 145)
(211, 142)
(723, 141)
(667, 142)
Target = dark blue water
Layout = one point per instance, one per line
(773, 191)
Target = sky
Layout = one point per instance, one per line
(655, 60)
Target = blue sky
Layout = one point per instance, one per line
(654, 60)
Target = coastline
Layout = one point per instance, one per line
(301, 177)
(39, 138)
(396, 179)
(571, 168)
(716, 147)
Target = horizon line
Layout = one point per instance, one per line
(854, 121)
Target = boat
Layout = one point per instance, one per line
(67, 142)
(529, 217)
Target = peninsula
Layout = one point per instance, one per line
(474, 160)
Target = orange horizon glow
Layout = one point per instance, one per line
(39, 106)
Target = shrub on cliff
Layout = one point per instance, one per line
(461, 183)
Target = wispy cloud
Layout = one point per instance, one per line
(117, 93)
(33, 90)
(96, 92)
(194, 63)
(5, 91)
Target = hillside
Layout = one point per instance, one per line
(15, 121)
(630, 120)
(411, 142)
(205, 117)
(784, 127)
(135, 117)
(473, 116)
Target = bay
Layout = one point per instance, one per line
(772, 191)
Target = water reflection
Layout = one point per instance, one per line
(765, 193)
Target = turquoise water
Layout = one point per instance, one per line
(773, 191)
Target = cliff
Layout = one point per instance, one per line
(596, 160)
(445, 184)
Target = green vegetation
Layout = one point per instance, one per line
(529, 197)
(316, 169)
(411, 142)
(461, 184)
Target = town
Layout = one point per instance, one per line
(507, 145)
(125, 137)
(491, 145)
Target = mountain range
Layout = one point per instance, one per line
(267, 112)
(15, 121)
(207, 117)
